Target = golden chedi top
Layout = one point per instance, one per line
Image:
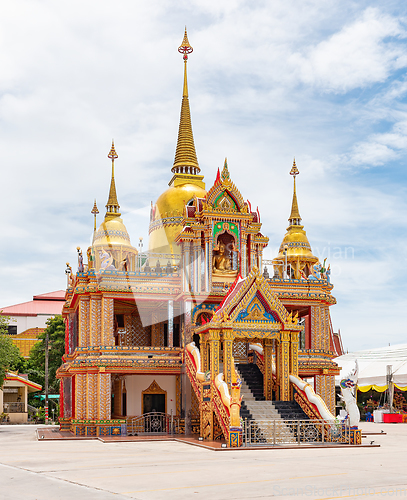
(166, 214)
(299, 253)
(112, 237)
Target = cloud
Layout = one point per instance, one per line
(360, 54)
(321, 81)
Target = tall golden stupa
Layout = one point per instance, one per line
(186, 183)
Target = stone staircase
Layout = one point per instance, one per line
(265, 418)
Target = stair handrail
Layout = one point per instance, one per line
(316, 404)
(225, 405)
(311, 398)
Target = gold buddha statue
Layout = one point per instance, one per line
(221, 263)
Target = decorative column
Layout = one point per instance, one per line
(80, 396)
(207, 264)
(284, 359)
(103, 395)
(277, 361)
(198, 286)
(107, 322)
(95, 320)
(227, 355)
(294, 353)
(91, 392)
(268, 369)
(204, 354)
(83, 340)
(243, 256)
(170, 323)
(214, 352)
(316, 328)
(187, 322)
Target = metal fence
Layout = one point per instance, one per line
(286, 432)
(154, 423)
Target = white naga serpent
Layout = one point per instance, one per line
(347, 385)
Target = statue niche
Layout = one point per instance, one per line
(222, 262)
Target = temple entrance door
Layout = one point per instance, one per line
(153, 402)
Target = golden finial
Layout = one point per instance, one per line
(295, 217)
(112, 153)
(94, 211)
(185, 47)
(294, 170)
(185, 161)
(112, 204)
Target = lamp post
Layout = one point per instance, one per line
(140, 250)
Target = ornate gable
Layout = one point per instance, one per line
(224, 195)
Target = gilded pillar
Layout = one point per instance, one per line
(294, 353)
(268, 369)
(284, 359)
(316, 328)
(243, 257)
(204, 354)
(80, 396)
(91, 392)
(83, 340)
(103, 395)
(107, 321)
(95, 321)
(214, 353)
(227, 356)
(277, 362)
(170, 323)
(187, 265)
(187, 322)
(207, 264)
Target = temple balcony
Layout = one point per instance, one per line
(127, 359)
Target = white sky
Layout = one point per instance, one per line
(324, 81)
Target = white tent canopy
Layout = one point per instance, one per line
(373, 367)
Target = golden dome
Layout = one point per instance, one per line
(168, 213)
(112, 232)
(297, 245)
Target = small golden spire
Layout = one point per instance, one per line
(295, 218)
(225, 171)
(185, 161)
(94, 211)
(112, 204)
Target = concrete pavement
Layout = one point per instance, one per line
(59, 470)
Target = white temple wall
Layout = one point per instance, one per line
(135, 384)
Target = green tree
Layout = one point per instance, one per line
(10, 357)
(56, 349)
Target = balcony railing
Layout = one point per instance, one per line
(14, 407)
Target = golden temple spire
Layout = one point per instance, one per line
(295, 217)
(185, 161)
(225, 171)
(94, 211)
(112, 204)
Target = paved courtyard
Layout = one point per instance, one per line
(53, 470)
